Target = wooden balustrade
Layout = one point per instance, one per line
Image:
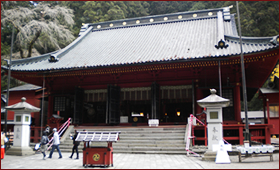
(233, 133)
(35, 134)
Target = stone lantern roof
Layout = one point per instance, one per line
(23, 106)
(213, 100)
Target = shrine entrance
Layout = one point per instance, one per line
(170, 104)
(176, 103)
(135, 105)
(175, 111)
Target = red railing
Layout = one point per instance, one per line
(259, 133)
(35, 134)
(61, 130)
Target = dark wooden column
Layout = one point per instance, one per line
(237, 105)
(113, 105)
(78, 105)
(155, 100)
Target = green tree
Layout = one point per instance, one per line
(198, 6)
(100, 11)
(5, 48)
(163, 7)
(78, 14)
(136, 8)
(33, 21)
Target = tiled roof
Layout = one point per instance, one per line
(268, 91)
(185, 36)
(3, 98)
(25, 87)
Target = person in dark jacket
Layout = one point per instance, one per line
(75, 145)
(44, 142)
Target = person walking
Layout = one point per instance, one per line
(75, 144)
(56, 143)
(44, 142)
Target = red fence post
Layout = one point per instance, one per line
(240, 135)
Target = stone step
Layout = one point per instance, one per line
(139, 133)
(152, 138)
(153, 134)
(145, 130)
(147, 145)
(150, 152)
(134, 143)
(167, 140)
(134, 152)
(152, 141)
(150, 148)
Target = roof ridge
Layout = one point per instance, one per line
(162, 15)
(198, 14)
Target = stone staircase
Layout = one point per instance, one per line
(160, 140)
(152, 140)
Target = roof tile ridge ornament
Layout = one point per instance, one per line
(220, 31)
(54, 57)
(23, 60)
(255, 40)
(275, 40)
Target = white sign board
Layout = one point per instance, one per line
(153, 122)
(222, 156)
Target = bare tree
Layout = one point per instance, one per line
(51, 21)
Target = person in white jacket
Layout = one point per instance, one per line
(56, 143)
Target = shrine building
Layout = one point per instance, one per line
(124, 72)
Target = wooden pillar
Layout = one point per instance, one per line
(50, 108)
(264, 111)
(164, 111)
(267, 135)
(240, 135)
(36, 135)
(267, 111)
(155, 101)
(237, 105)
(267, 131)
(199, 96)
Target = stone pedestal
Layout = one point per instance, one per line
(209, 156)
(20, 151)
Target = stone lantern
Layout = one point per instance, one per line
(22, 121)
(214, 104)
